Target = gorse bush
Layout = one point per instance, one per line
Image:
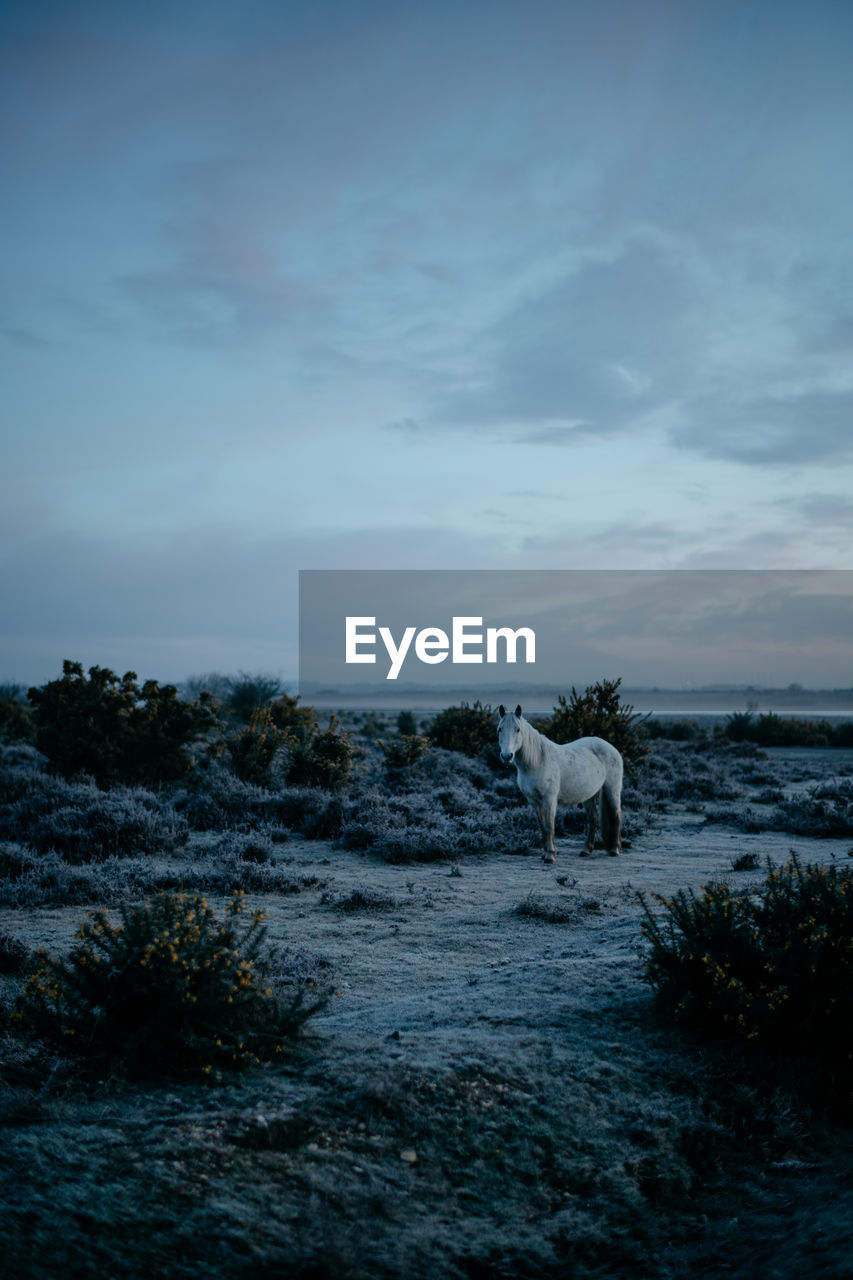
(254, 748)
(16, 722)
(598, 712)
(772, 967)
(469, 729)
(406, 724)
(403, 752)
(289, 716)
(168, 988)
(322, 759)
(115, 731)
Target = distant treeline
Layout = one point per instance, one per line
(771, 730)
(766, 730)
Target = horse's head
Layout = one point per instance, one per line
(510, 736)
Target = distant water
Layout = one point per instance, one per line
(676, 703)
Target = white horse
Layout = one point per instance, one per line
(587, 771)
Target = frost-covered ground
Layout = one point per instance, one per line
(490, 1093)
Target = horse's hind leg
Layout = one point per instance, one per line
(591, 807)
(611, 820)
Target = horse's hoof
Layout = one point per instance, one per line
(584, 853)
(614, 853)
(549, 857)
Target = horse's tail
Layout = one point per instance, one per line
(611, 822)
(611, 807)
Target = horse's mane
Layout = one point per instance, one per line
(534, 744)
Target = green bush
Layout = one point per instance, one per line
(254, 748)
(247, 694)
(167, 989)
(288, 716)
(402, 752)
(598, 712)
(321, 759)
(468, 729)
(406, 724)
(115, 731)
(772, 967)
(372, 725)
(16, 722)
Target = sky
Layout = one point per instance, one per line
(371, 285)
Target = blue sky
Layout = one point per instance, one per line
(376, 285)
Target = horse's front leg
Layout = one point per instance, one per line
(539, 809)
(546, 811)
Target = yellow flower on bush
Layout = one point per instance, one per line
(144, 1008)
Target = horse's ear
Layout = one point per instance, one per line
(501, 711)
(518, 710)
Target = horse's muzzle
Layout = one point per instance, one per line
(507, 756)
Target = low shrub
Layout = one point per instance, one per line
(362, 900)
(15, 956)
(468, 729)
(288, 716)
(406, 724)
(236, 862)
(114, 731)
(168, 989)
(745, 862)
(771, 967)
(253, 749)
(45, 879)
(322, 759)
(565, 909)
(16, 722)
(421, 826)
(826, 813)
(822, 814)
(403, 752)
(372, 725)
(86, 824)
(219, 801)
(250, 693)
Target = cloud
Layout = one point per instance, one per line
(600, 346)
(24, 338)
(826, 510)
(812, 427)
(224, 286)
